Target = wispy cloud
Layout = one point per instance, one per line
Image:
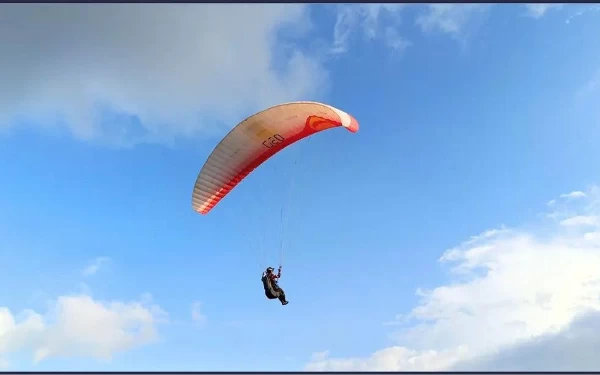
(569, 208)
(573, 195)
(583, 9)
(198, 317)
(580, 221)
(590, 87)
(364, 20)
(450, 18)
(396, 42)
(95, 266)
(540, 9)
(521, 287)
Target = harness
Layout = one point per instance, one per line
(270, 291)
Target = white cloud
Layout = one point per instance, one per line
(540, 9)
(79, 326)
(93, 268)
(395, 41)
(523, 287)
(573, 195)
(197, 316)
(583, 9)
(578, 343)
(581, 220)
(364, 19)
(590, 87)
(395, 358)
(164, 63)
(570, 209)
(449, 18)
(111, 73)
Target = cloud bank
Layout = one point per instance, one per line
(518, 296)
(124, 74)
(158, 70)
(79, 326)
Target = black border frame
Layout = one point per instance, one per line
(295, 372)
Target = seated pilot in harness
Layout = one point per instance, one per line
(272, 289)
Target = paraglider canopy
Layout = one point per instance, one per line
(255, 140)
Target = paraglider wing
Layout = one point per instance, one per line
(255, 140)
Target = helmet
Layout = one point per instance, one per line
(270, 269)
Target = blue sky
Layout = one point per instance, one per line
(473, 118)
